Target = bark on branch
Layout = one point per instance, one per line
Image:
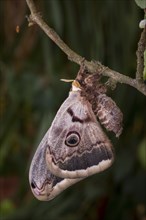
(93, 67)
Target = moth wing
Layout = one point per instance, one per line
(44, 185)
(74, 123)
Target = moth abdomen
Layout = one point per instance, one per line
(109, 114)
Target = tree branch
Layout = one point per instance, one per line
(91, 66)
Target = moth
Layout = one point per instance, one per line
(74, 147)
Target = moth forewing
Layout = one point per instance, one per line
(44, 185)
(77, 147)
(73, 148)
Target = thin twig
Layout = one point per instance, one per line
(140, 54)
(91, 66)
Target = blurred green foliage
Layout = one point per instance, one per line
(31, 67)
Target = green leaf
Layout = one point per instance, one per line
(141, 3)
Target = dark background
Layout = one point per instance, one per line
(31, 67)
